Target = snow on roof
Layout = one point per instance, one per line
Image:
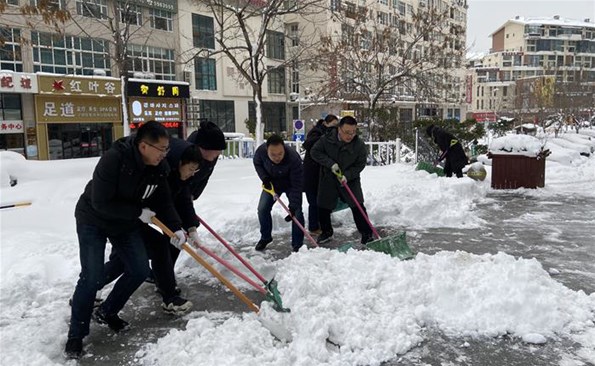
(568, 22)
(475, 55)
(517, 144)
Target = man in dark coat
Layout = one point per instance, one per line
(211, 141)
(312, 169)
(280, 168)
(451, 150)
(341, 153)
(129, 182)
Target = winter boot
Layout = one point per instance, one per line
(176, 305)
(113, 321)
(73, 348)
(262, 244)
(325, 237)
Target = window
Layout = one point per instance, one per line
(335, 5)
(131, 14)
(383, 2)
(203, 31)
(69, 54)
(273, 116)
(221, 112)
(12, 2)
(161, 19)
(10, 107)
(275, 45)
(156, 60)
(383, 18)
(295, 78)
(276, 80)
(347, 33)
(205, 77)
(365, 39)
(92, 8)
(10, 51)
(49, 4)
(293, 34)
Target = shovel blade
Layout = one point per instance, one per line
(430, 168)
(394, 245)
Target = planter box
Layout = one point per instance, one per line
(511, 171)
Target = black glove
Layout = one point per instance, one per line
(266, 183)
(289, 217)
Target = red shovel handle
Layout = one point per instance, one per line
(361, 210)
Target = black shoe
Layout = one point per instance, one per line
(325, 237)
(176, 305)
(114, 322)
(262, 244)
(151, 277)
(73, 348)
(295, 249)
(366, 238)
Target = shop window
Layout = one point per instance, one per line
(78, 140)
(10, 107)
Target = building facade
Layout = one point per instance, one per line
(536, 67)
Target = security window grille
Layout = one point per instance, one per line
(69, 54)
(275, 45)
(131, 14)
(203, 31)
(92, 8)
(205, 74)
(276, 80)
(10, 50)
(161, 19)
(155, 60)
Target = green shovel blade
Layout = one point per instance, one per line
(274, 296)
(394, 245)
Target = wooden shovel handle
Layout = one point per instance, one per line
(209, 267)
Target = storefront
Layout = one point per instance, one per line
(158, 100)
(77, 116)
(17, 131)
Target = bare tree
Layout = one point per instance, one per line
(379, 58)
(243, 35)
(46, 12)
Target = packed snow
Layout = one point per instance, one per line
(371, 305)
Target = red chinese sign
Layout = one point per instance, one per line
(16, 82)
(11, 127)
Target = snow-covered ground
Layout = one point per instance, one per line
(374, 306)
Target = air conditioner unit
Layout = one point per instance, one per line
(99, 72)
(188, 77)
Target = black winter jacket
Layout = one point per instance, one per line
(351, 158)
(286, 176)
(181, 189)
(312, 168)
(447, 142)
(199, 180)
(122, 185)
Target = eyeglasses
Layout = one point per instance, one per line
(162, 150)
(349, 133)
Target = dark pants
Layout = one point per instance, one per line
(313, 224)
(265, 205)
(162, 257)
(448, 169)
(130, 251)
(324, 216)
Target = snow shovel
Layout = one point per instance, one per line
(18, 204)
(276, 330)
(430, 168)
(395, 245)
(271, 293)
(295, 220)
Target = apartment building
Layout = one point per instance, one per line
(527, 55)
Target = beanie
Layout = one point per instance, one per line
(210, 137)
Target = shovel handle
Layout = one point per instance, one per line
(209, 268)
(296, 221)
(361, 210)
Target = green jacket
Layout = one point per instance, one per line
(351, 158)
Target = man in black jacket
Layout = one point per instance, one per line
(280, 168)
(128, 179)
(341, 153)
(211, 141)
(451, 149)
(312, 169)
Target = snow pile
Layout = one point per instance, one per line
(375, 312)
(516, 144)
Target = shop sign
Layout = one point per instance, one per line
(167, 5)
(16, 82)
(11, 127)
(484, 116)
(157, 89)
(79, 85)
(165, 124)
(160, 110)
(52, 109)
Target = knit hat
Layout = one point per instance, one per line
(210, 137)
(429, 130)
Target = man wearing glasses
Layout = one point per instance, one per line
(342, 156)
(129, 182)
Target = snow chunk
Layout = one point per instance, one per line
(534, 338)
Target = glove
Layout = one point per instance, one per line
(146, 215)
(289, 217)
(178, 239)
(342, 179)
(193, 237)
(266, 183)
(335, 169)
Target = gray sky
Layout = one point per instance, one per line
(485, 16)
